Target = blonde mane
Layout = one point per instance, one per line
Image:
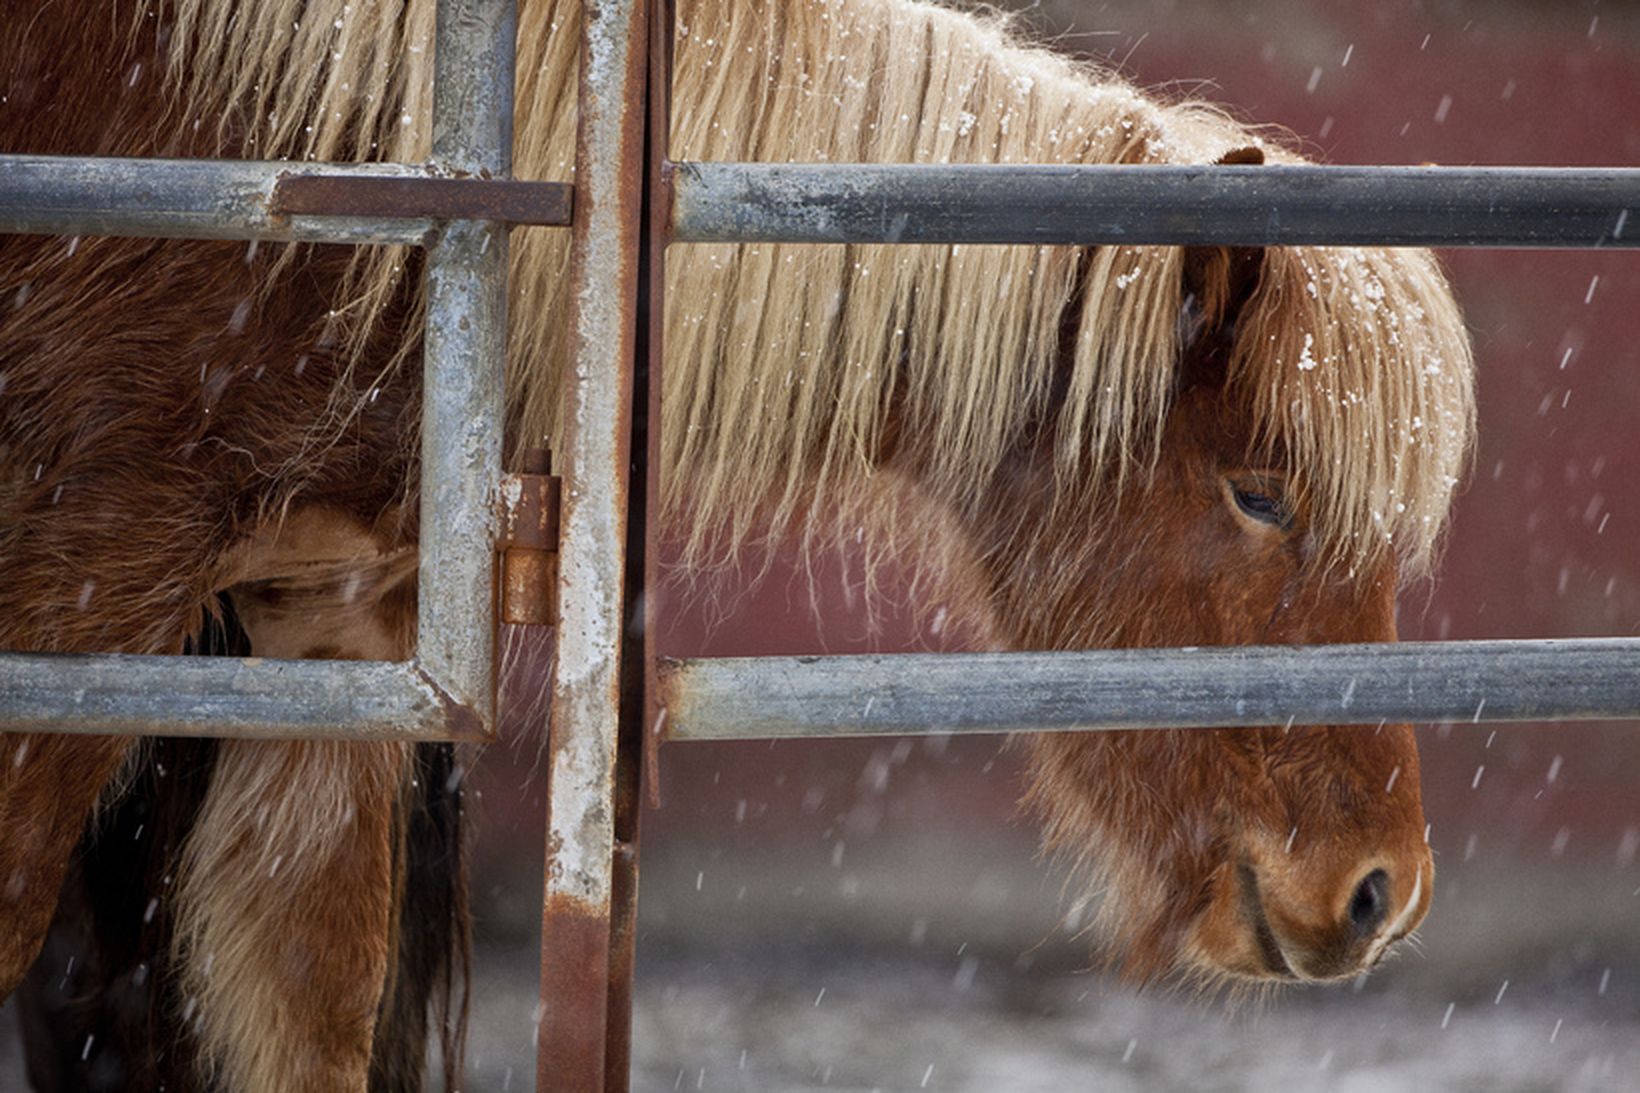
(785, 363)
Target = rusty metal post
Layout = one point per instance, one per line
(635, 761)
(529, 542)
(575, 940)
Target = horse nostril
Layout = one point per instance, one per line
(1371, 903)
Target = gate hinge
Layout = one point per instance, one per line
(529, 543)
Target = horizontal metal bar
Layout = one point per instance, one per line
(762, 697)
(1232, 205)
(507, 200)
(187, 199)
(851, 203)
(227, 697)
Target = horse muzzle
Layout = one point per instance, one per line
(1288, 939)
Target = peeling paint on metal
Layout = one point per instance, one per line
(586, 685)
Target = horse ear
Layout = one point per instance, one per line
(1248, 154)
(1217, 283)
(1219, 280)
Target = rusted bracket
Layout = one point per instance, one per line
(507, 200)
(529, 543)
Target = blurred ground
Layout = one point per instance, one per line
(838, 963)
(913, 969)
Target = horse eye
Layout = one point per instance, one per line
(1261, 506)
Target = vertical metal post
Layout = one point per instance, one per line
(465, 353)
(575, 940)
(635, 754)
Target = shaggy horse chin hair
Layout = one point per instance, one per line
(1126, 918)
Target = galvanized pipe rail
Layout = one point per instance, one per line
(1233, 205)
(270, 199)
(244, 698)
(1083, 205)
(759, 698)
(721, 202)
(464, 360)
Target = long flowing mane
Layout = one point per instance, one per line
(791, 369)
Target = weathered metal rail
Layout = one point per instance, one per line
(271, 200)
(907, 694)
(228, 697)
(464, 360)
(1086, 205)
(1184, 205)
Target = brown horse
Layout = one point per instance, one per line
(1126, 446)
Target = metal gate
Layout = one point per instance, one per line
(612, 703)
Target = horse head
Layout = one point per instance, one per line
(1285, 853)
